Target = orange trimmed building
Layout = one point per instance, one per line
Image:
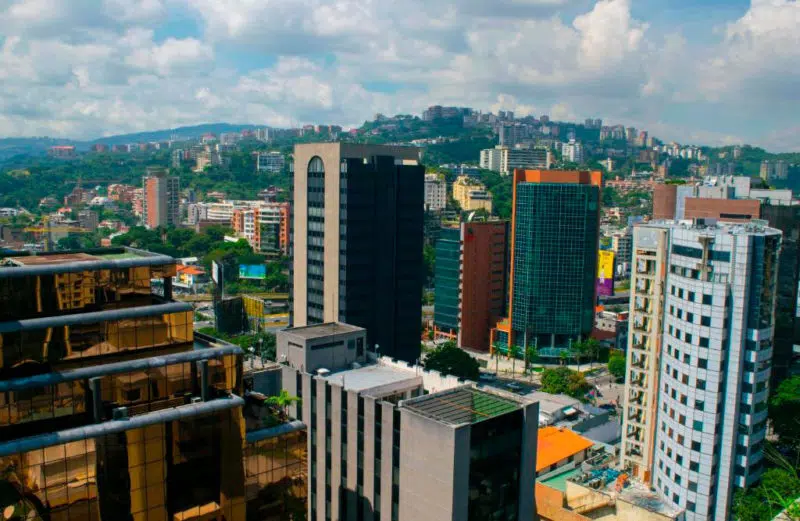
(558, 446)
(555, 228)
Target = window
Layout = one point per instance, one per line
(696, 446)
(690, 317)
(702, 363)
(690, 506)
(682, 419)
(687, 359)
(687, 338)
(708, 299)
(705, 321)
(698, 425)
(694, 466)
(701, 384)
(703, 341)
(680, 314)
(699, 405)
(679, 459)
(680, 292)
(691, 296)
(680, 441)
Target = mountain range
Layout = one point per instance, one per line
(10, 147)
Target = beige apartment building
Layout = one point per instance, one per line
(471, 195)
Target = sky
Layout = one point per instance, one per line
(695, 71)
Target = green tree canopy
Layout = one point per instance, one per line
(784, 411)
(616, 366)
(563, 380)
(449, 359)
(778, 489)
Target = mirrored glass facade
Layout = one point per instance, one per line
(110, 409)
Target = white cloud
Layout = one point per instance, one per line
(90, 67)
(172, 57)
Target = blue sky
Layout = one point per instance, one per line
(710, 72)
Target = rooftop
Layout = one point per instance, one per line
(377, 377)
(89, 259)
(550, 403)
(460, 406)
(715, 227)
(322, 330)
(556, 443)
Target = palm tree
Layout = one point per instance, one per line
(283, 401)
(591, 347)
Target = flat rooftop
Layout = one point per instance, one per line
(322, 330)
(557, 443)
(373, 377)
(42, 263)
(461, 406)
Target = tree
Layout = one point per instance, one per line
(449, 359)
(784, 411)
(592, 348)
(616, 366)
(282, 402)
(563, 380)
(777, 492)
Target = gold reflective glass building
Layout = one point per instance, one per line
(111, 409)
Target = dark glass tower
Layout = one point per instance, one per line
(357, 252)
(448, 269)
(555, 232)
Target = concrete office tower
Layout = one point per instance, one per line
(358, 220)
(160, 198)
(555, 227)
(110, 406)
(381, 448)
(470, 279)
(698, 368)
(435, 192)
(505, 159)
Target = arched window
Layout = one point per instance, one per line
(315, 240)
(316, 166)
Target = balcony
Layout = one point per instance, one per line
(97, 393)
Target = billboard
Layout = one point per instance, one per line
(253, 271)
(216, 271)
(605, 273)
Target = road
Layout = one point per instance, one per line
(507, 370)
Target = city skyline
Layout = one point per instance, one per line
(717, 76)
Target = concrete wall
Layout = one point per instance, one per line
(550, 505)
(432, 381)
(428, 479)
(743, 209)
(268, 381)
(664, 201)
(299, 352)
